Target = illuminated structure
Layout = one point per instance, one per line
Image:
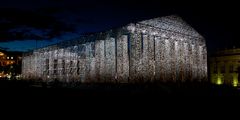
(224, 67)
(7, 61)
(160, 49)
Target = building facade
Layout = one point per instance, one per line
(160, 49)
(224, 67)
(8, 60)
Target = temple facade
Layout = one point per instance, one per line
(160, 49)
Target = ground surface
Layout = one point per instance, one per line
(23, 88)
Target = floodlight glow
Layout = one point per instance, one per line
(219, 81)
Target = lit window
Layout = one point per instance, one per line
(11, 57)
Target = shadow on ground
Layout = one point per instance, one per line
(29, 88)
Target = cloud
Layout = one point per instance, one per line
(22, 24)
(4, 48)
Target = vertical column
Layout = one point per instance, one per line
(172, 61)
(101, 59)
(125, 58)
(177, 60)
(67, 61)
(33, 65)
(49, 66)
(41, 62)
(150, 56)
(190, 61)
(73, 64)
(92, 62)
(181, 61)
(205, 69)
(70, 63)
(110, 60)
(167, 59)
(65, 64)
(122, 59)
(139, 56)
(58, 57)
(30, 66)
(186, 61)
(36, 64)
(133, 63)
(88, 62)
(203, 63)
(135, 57)
(61, 57)
(200, 63)
(60, 67)
(197, 60)
(23, 67)
(132, 66)
(159, 58)
(55, 64)
(194, 63)
(82, 62)
(46, 66)
(99, 54)
(33, 69)
(145, 59)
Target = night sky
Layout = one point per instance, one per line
(23, 22)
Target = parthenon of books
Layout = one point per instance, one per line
(160, 49)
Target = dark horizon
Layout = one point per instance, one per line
(50, 21)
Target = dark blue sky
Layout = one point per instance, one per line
(22, 22)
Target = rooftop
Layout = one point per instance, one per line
(227, 52)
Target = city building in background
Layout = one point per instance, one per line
(160, 49)
(10, 64)
(225, 67)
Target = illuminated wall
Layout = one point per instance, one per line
(160, 49)
(224, 67)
